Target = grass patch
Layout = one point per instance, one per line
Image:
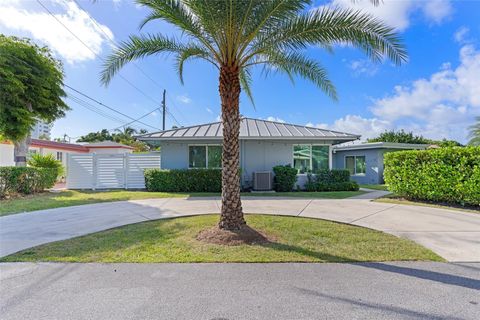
(69, 198)
(296, 239)
(395, 199)
(382, 187)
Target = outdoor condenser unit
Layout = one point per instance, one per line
(262, 181)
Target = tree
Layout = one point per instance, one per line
(408, 137)
(31, 83)
(124, 136)
(236, 36)
(474, 134)
(399, 137)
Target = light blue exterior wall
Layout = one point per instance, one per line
(373, 161)
(255, 155)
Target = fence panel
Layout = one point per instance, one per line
(109, 171)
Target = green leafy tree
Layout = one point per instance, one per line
(474, 134)
(124, 136)
(31, 83)
(102, 135)
(408, 137)
(235, 37)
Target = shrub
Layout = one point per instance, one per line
(46, 161)
(184, 180)
(331, 180)
(25, 180)
(442, 175)
(285, 178)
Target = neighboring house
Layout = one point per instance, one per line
(263, 145)
(61, 149)
(365, 160)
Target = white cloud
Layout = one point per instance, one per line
(455, 89)
(398, 13)
(184, 99)
(461, 34)
(363, 67)
(367, 127)
(437, 10)
(209, 110)
(275, 119)
(441, 106)
(15, 18)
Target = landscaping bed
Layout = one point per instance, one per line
(393, 198)
(287, 239)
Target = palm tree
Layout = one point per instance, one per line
(474, 134)
(236, 36)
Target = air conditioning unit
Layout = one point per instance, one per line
(262, 181)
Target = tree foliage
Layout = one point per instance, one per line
(31, 83)
(125, 136)
(408, 137)
(474, 134)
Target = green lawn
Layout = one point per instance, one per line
(382, 187)
(174, 240)
(73, 198)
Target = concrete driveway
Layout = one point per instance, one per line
(454, 235)
(408, 290)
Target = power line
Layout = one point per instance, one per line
(108, 107)
(86, 46)
(129, 123)
(116, 44)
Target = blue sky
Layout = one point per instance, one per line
(436, 94)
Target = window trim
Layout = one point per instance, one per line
(311, 155)
(355, 165)
(206, 154)
(61, 156)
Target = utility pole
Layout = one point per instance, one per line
(163, 108)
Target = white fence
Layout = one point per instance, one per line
(109, 171)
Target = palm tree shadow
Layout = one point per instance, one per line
(435, 276)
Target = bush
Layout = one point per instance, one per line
(442, 175)
(184, 180)
(46, 161)
(25, 180)
(331, 180)
(285, 178)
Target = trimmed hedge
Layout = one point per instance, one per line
(285, 178)
(183, 180)
(441, 175)
(25, 180)
(331, 180)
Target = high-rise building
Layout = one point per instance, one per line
(41, 130)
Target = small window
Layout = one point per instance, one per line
(197, 157)
(59, 156)
(201, 157)
(302, 155)
(356, 165)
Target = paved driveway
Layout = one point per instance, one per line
(240, 291)
(454, 235)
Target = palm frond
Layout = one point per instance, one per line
(296, 63)
(246, 82)
(188, 53)
(135, 48)
(328, 27)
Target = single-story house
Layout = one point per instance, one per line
(365, 160)
(60, 149)
(263, 145)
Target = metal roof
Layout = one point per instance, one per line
(381, 145)
(250, 129)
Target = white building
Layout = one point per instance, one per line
(41, 130)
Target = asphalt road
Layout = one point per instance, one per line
(415, 290)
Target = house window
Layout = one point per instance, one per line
(205, 157)
(310, 158)
(356, 165)
(59, 156)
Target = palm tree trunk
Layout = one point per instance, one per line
(231, 217)
(20, 151)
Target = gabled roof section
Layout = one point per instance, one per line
(254, 129)
(107, 144)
